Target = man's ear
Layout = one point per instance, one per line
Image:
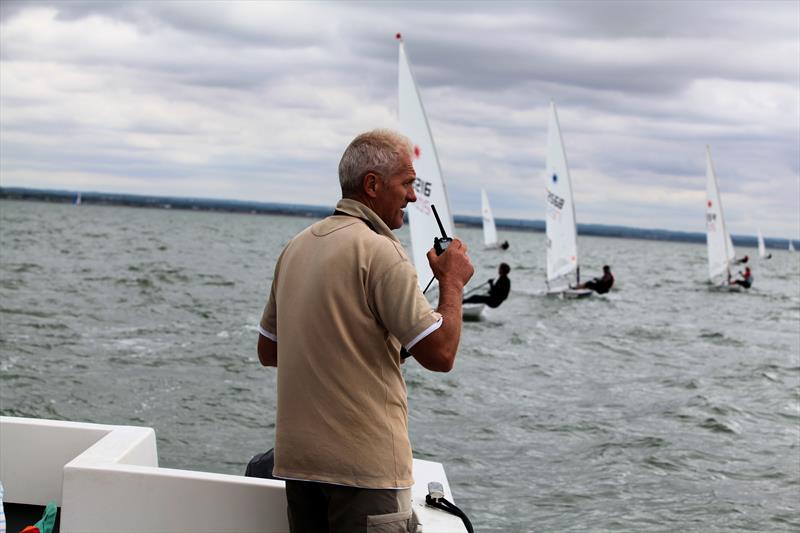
(370, 184)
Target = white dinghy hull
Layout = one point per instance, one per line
(726, 287)
(472, 312)
(570, 294)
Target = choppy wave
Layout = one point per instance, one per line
(664, 406)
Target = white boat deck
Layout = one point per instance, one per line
(106, 478)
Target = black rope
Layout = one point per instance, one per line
(444, 505)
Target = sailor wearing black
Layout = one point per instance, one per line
(600, 285)
(498, 289)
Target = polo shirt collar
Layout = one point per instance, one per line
(359, 210)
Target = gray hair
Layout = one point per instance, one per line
(381, 151)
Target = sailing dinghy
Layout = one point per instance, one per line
(429, 186)
(562, 244)
(489, 228)
(762, 247)
(720, 246)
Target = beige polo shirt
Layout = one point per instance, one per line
(344, 299)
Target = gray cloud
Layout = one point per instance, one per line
(261, 97)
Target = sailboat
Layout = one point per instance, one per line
(489, 229)
(720, 246)
(762, 247)
(562, 244)
(791, 246)
(429, 186)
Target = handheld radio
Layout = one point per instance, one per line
(440, 244)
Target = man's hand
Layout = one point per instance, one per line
(453, 269)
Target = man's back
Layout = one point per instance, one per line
(343, 299)
(343, 295)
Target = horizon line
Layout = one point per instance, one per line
(309, 210)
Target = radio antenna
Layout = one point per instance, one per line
(438, 221)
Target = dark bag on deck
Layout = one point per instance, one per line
(261, 465)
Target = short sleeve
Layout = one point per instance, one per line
(400, 305)
(268, 326)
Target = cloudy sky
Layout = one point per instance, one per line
(257, 100)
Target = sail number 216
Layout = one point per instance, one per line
(422, 187)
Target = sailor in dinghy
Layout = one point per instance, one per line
(498, 289)
(746, 280)
(600, 285)
(762, 247)
(490, 240)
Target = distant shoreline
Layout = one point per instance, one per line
(247, 207)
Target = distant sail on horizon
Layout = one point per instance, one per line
(489, 228)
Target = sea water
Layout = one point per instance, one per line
(662, 406)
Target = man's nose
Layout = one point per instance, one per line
(412, 195)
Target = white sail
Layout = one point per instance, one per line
(429, 186)
(762, 248)
(562, 246)
(489, 229)
(720, 246)
(791, 246)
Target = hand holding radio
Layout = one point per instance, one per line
(440, 244)
(455, 265)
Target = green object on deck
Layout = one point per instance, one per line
(48, 520)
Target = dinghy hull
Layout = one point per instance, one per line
(570, 294)
(472, 312)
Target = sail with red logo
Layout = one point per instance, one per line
(430, 186)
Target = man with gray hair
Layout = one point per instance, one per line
(344, 300)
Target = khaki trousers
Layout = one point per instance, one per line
(323, 508)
